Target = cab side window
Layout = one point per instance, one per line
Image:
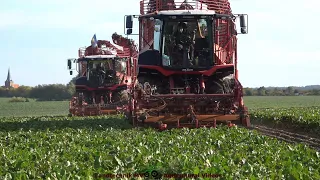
(121, 66)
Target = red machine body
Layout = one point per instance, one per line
(105, 74)
(187, 79)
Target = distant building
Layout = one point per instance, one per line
(8, 84)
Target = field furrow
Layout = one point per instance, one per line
(289, 136)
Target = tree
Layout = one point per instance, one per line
(23, 91)
(290, 90)
(315, 92)
(3, 92)
(248, 92)
(56, 92)
(261, 91)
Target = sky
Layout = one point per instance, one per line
(38, 36)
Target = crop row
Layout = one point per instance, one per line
(302, 117)
(78, 148)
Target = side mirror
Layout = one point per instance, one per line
(129, 22)
(243, 23)
(71, 72)
(69, 64)
(129, 31)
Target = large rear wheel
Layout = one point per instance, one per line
(129, 112)
(245, 118)
(120, 96)
(216, 88)
(121, 99)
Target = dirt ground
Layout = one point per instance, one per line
(289, 134)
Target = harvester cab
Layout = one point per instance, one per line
(187, 65)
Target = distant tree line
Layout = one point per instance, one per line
(281, 91)
(50, 92)
(60, 92)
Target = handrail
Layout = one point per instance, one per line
(122, 52)
(153, 6)
(82, 52)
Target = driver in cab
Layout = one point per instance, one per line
(184, 40)
(100, 73)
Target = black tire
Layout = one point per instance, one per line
(228, 84)
(80, 100)
(217, 88)
(120, 96)
(129, 118)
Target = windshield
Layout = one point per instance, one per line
(105, 72)
(100, 72)
(186, 44)
(105, 64)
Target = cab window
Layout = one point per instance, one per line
(121, 66)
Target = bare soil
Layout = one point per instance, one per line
(291, 135)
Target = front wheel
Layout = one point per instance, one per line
(120, 96)
(216, 88)
(245, 118)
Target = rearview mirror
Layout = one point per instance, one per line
(129, 22)
(129, 31)
(243, 23)
(69, 63)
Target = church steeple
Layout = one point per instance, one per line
(9, 76)
(8, 83)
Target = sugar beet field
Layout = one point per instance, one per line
(38, 141)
